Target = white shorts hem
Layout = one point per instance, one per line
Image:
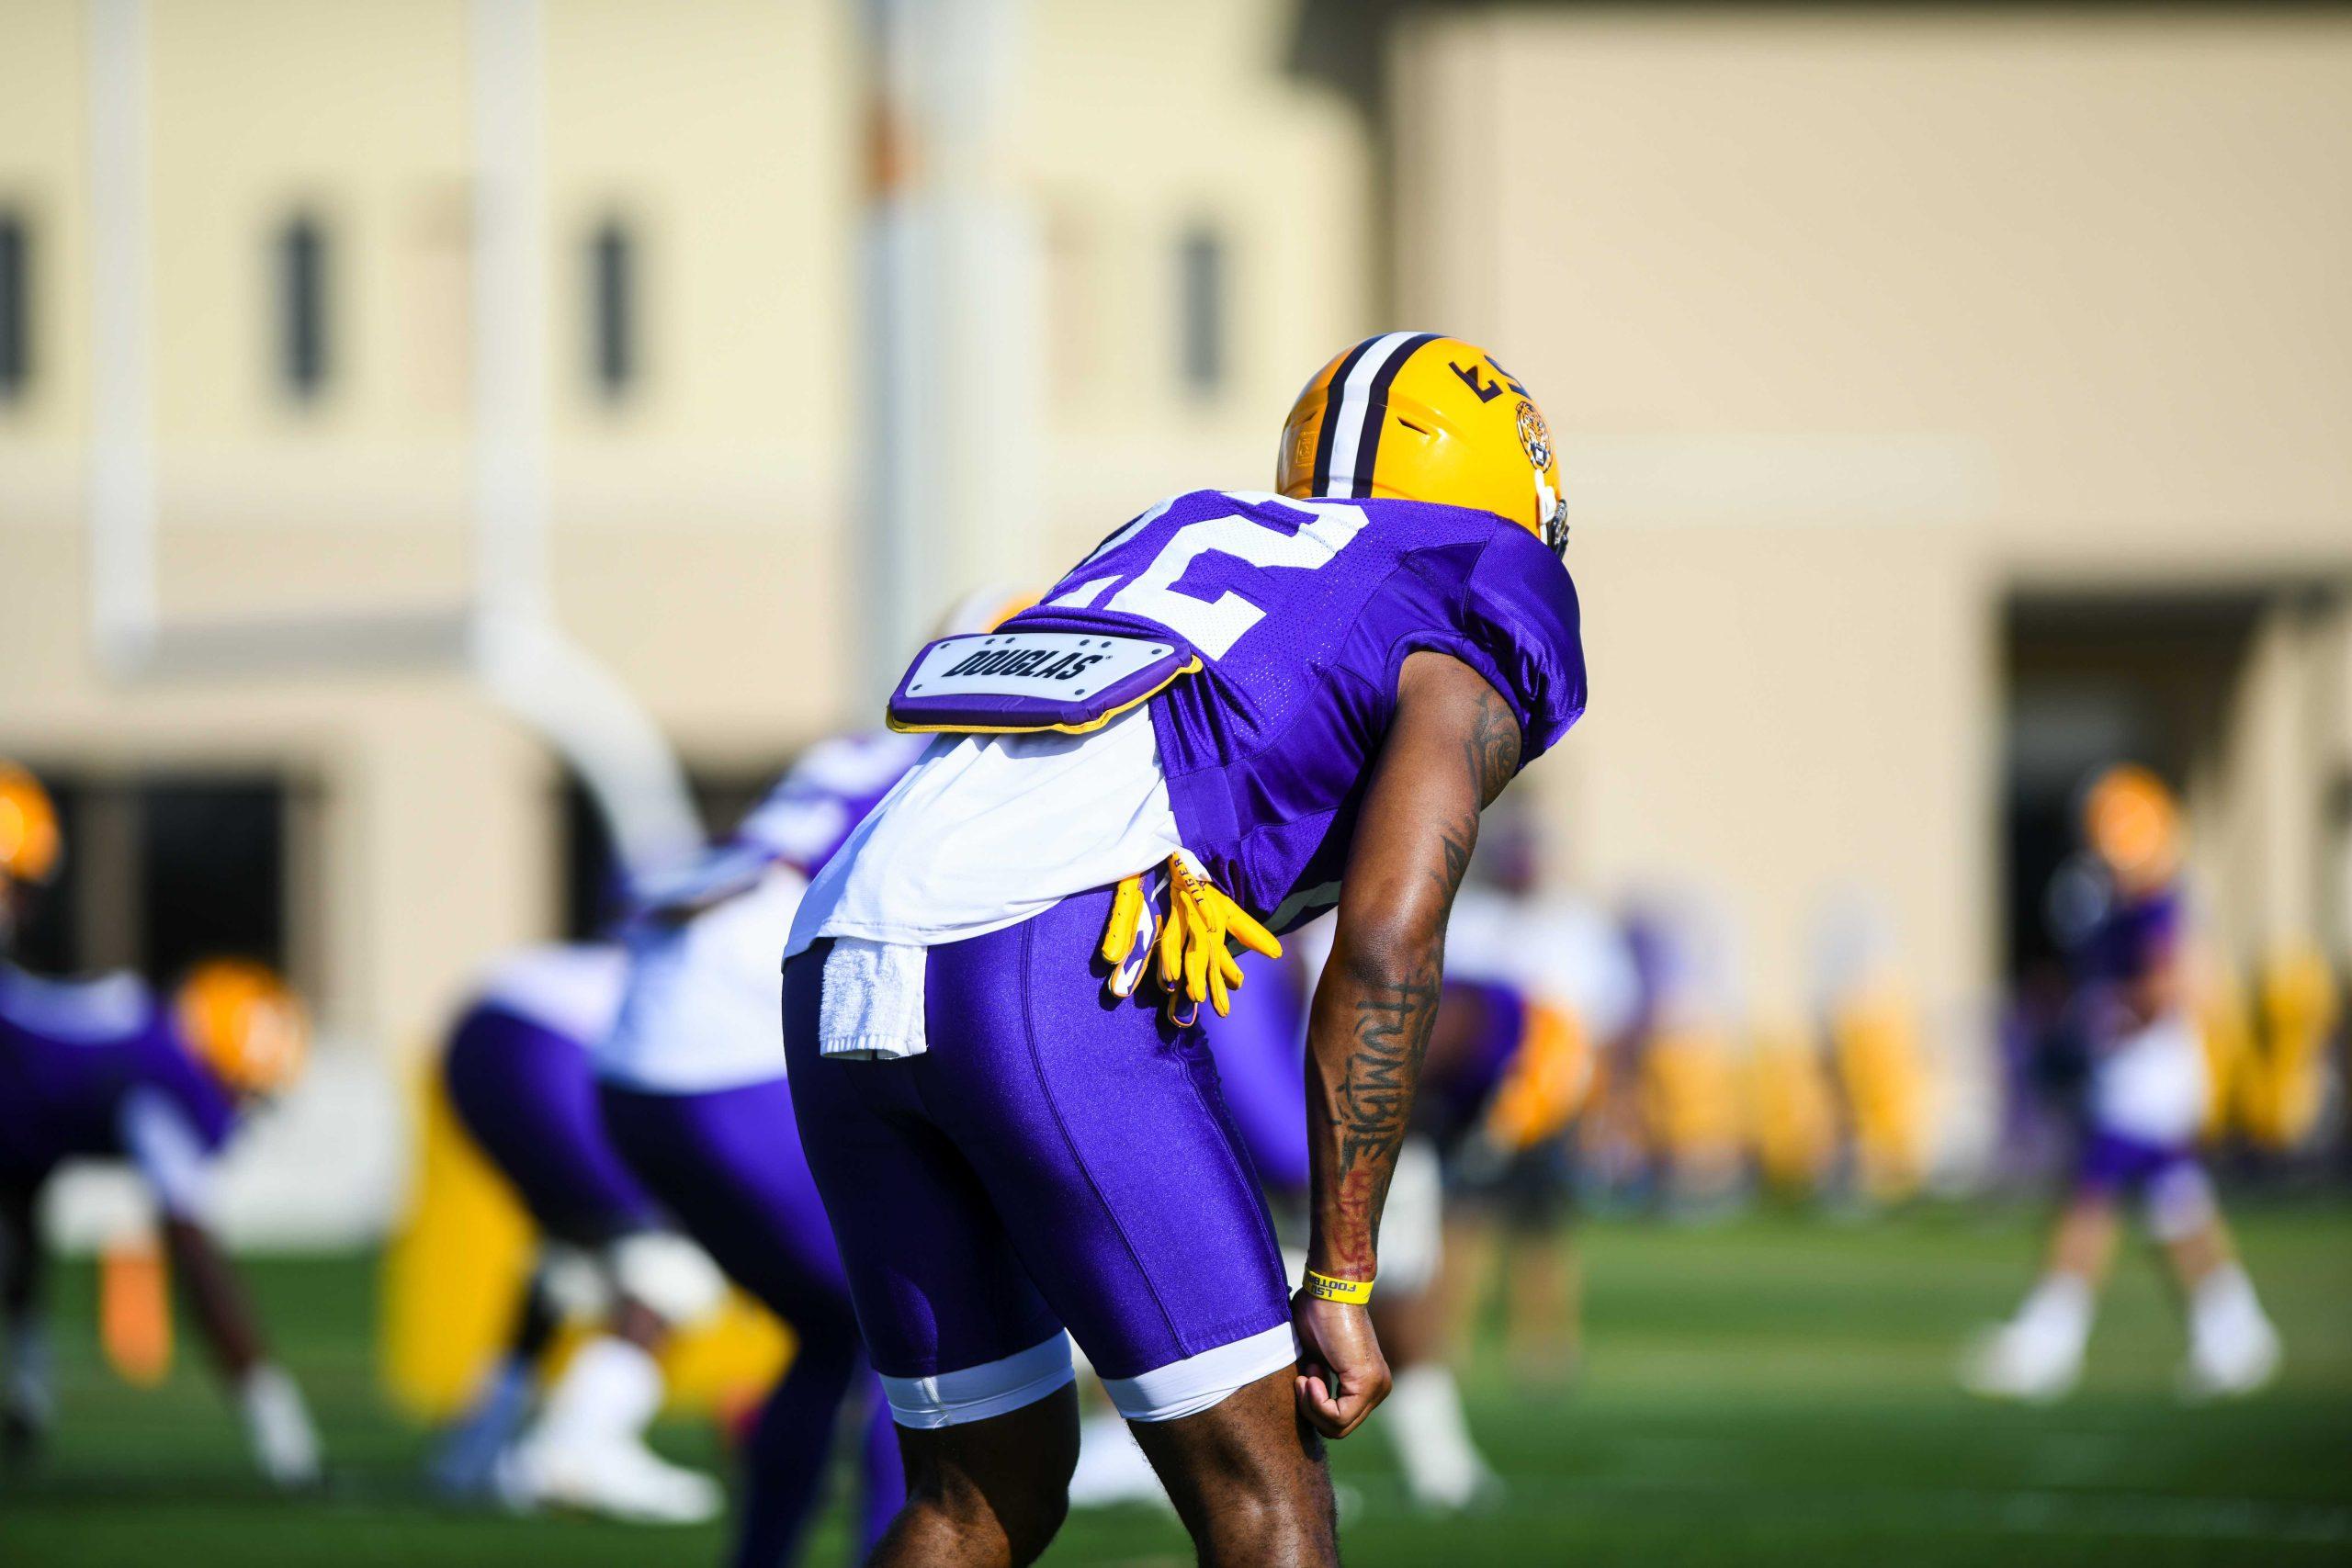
(1199, 1382)
(976, 1393)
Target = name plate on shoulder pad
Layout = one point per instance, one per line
(1011, 682)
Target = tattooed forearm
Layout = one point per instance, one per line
(1374, 1097)
(1365, 1103)
(1452, 746)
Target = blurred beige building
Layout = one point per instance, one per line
(703, 193)
(1949, 400)
(1957, 400)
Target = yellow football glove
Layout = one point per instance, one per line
(1193, 944)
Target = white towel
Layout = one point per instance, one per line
(871, 1007)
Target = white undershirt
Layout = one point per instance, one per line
(989, 829)
(1557, 950)
(704, 1009)
(567, 988)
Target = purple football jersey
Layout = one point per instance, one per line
(2131, 940)
(1465, 1066)
(1302, 614)
(809, 812)
(72, 1052)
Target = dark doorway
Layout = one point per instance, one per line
(2094, 680)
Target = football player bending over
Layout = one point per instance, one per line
(2146, 1100)
(1241, 709)
(104, 1069)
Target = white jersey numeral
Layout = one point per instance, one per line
(1214, 626)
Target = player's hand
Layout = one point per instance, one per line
(1342, 1376)
(284, 1444)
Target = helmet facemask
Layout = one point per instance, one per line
(1553, 509)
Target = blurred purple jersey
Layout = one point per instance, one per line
(73, 1051)
(811, 811)
(2131, 940)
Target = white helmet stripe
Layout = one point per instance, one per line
(1353, 408)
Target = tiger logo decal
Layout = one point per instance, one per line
(1534, 436)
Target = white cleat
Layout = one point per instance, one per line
(1455, 1488)
(2006, 1363)
(2233, 1367)
(620, 1479)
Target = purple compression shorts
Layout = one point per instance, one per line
(1058, 1158)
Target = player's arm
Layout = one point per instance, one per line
(177, 1168)
(1452, 746)
(284, 1444)
(719, 875)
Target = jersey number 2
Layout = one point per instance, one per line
(1214, 626)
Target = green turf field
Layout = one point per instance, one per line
(1773, 1390)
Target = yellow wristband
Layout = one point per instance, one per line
(1328, 1289)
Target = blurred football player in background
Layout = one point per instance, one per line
(1670, 1121)
(2121, 914)
(106, 1069)
(694, 1086)
(1240, 710)
(1540, 980)
(517, 1074)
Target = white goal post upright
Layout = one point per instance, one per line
(505, 631)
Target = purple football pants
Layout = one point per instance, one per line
(1262, 1059)
(526, 1098)
(726, 1165)
(1057, 1157)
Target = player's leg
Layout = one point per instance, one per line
(727, 1165)
(27, 1402)
(2038, 1353)
(1424, 1419)
(1100, 1137)
(1543, 1283)
(587, 1447)
(974, 1364)
(526, 1099)
(2232, 1348)
(987, 1494)
(1247, 1478)
(465, 1461)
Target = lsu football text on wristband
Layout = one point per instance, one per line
(1331, 1289)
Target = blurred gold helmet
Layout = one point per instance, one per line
(243, 1023)
(1415, 416)
(31, 844)
(2132, 824)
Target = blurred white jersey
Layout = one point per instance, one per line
(704, 1009)
(1557, 950)
(2152, 1086)
(572, 990)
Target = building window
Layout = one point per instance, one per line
(612, 306)
(303, 350)
(16, 306)
(165, 871)
(1202, 282)
(212, 872)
